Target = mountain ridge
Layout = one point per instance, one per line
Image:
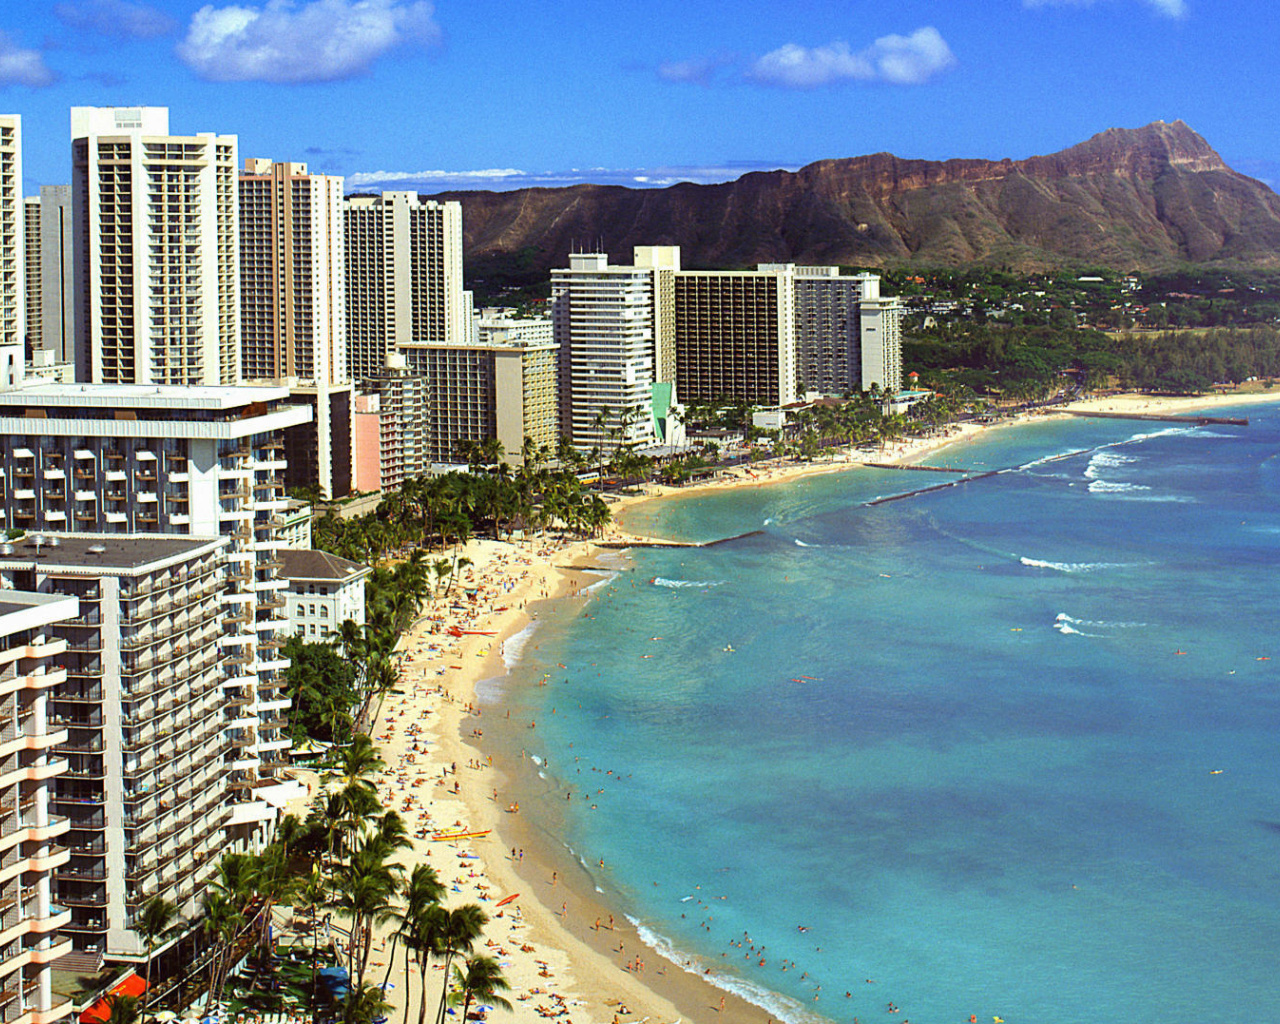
(1130, 198)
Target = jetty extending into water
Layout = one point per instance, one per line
(935, 487)
(918, 469)
(1191, 421)
(652, 543)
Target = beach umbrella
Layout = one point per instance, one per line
(164, 1016)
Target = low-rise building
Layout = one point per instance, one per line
(324, 592)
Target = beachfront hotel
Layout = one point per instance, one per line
(848, 337)
(615, 326)
(30, 917)
(505, 388)
(293, 311)
(403, 278)
(156, 250)
(735, 334)
(195, 461)
(144, 797)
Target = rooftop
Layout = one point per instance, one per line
(110, 551)
(318, 565)
(138, 396)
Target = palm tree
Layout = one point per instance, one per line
(364, 888)
(363, 1004)
(422, 890)
(153, 920)
(481, 981)
(124, 1009)
(461, 928)
(223, 921)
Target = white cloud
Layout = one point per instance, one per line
(506, 179)
(115, 18)
(22, 67)
(320, 41)
(363, 179)
(695, 70)
(1169, 8)
(897, 60)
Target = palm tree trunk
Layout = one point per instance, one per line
(444, 993)
(422, 1002)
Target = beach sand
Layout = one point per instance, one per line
(558, 964)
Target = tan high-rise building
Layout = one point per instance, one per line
(404, 278)
(736, 336)
(293, 313)
(12, 290)
(156, 250)
(505, 388)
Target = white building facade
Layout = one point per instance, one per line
(614, 328)
(123, 460)
(12, 273)
(32, 836)
(156, 250)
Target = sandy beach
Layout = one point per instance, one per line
(442, 774)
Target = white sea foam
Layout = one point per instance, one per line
(1115, 487)
(1038, 563)
(513, 647)
(1097, 623)
(535, 759)
(769, 521)
(802, 544)
(1106, 459)
(662, 581)
(778, 1006)
(603, 582)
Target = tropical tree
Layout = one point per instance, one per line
(153, 920)
(479, 979)
(461, 927)
(363, 1004)
(123, 1009)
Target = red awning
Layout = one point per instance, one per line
(133, 985)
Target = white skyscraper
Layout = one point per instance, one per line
(156, 250)
(613, 326)
(12, 291)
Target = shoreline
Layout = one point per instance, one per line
(578, 969)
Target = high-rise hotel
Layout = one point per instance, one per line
(615, 328)
(157, 267)
(293, 312)
(404, 279)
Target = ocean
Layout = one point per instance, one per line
(1005, 749)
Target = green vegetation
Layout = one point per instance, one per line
(446, 511)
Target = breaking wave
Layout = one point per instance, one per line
(778, 1006)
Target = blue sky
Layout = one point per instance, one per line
(436, 94)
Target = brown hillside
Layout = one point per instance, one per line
(1128, 198)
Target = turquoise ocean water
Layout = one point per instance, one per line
(1006, 749)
